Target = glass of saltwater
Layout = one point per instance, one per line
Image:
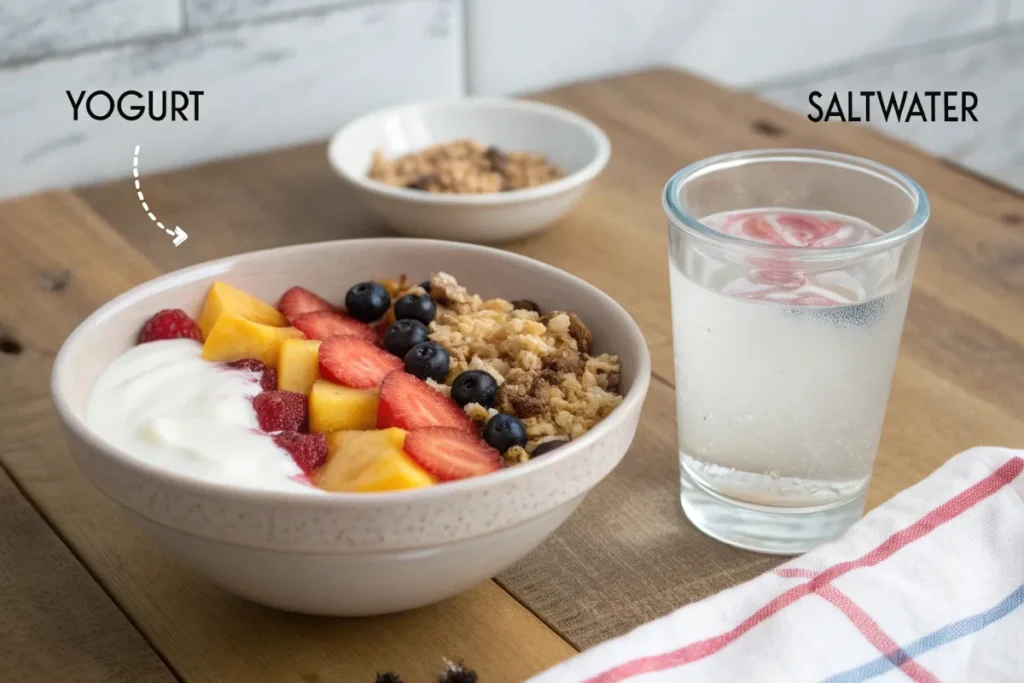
(790, 274)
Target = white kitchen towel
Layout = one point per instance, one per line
(928, 587)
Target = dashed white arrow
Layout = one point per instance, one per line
(177, 233)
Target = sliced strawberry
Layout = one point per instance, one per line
(309, 451)
(783, 279)
(281, 411)
(268, 375)
(354, 362)
(297, 301)
(450, 453)
(324, 324)
(409, 403)
(170, 323)
(805, 230)
(758, 229)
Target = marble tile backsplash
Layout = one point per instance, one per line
(265, 84)
(211, 12)
(737, 42)
(994, 145)
(278, 72)
(30, 29)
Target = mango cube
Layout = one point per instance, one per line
(333, 407)
(235, 338)
(224, 298)
(369, 461)
(393, 287)
(297, 365)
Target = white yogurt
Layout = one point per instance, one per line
(162, 403)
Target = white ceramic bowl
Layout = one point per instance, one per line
(572, 142)
(351, 554)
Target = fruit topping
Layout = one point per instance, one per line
(224, 299)
(297, 301)
(425, 285)
(333, 407)
(548, 446)
(758, 229)
(409, 403)
(428, 360)
(449, 453)
(324, 324)
(268, 376)
(503, 431)
(298, 365)
(278, 411)
(236, 338)
(393, 287)
(368, 461)
(309, 451)
(807, 231)
(403, 335)
(354, 362)
(367, 301)
(415, 307)
(170, 323)
(475, 386)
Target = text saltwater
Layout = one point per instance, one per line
(904, 107)
(132, 105)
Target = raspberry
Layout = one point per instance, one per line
(170, 323)
(281, 411)
(309, 451)
(268, 375)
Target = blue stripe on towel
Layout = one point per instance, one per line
(946, 634)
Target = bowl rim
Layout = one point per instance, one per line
(631, 401)
(573, 180)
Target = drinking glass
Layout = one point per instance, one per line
(790, 275)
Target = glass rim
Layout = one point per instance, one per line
(682, 220)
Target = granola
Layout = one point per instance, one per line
(542, 363)
(464, 167)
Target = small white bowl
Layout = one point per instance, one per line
(573, 143)
(351, 554)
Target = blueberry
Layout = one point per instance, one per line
(427, 361)
(415, 307)
(503, 431)
(548, 446)
(426, 285)
(474, 386)
(403, 335)
(367, 301)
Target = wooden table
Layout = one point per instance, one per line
(83, 597)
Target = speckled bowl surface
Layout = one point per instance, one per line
(352, 554)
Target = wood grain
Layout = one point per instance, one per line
(628, 554)
(204, 634)
(57, 623)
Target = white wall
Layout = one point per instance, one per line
(279, 72)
